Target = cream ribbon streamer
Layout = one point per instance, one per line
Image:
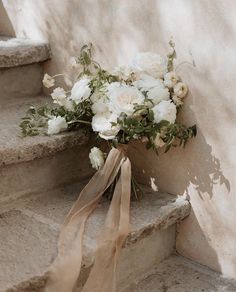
(65, 270)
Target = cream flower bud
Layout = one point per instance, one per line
(48, 81)
(96, 157)
(180, 89)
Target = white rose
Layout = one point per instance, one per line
(59, 96)
(165, 110)
(180, 89)
(150, 63)
(102, 123)
(56, 125)
(123, 99)
(48, 81)
(170, 79)
(96, 157)
(81, 90)
(158, 93)
(177, 100)
(146, 82)
(158, 141)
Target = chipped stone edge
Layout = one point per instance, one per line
(42, 147)
(178, 210)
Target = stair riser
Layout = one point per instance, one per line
(138, 260)
(20, 82)
(43, 174)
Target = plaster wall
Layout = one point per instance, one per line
(205, 34)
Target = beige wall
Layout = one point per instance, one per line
(204, 31)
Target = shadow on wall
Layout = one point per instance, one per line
(6, 27)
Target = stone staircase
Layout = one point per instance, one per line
(42, 176)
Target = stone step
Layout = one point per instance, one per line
(177, 274)
(33, 164)
(29, 229)
(21, 72)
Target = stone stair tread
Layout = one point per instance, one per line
(14, 148)
(22, 51)
(29, 229)
(178, 274)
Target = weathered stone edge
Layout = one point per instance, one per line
(39, 147)
(178, 210)
(32, 52)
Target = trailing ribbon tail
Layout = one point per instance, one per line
(64, 271)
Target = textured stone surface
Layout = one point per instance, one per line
(19, 82)
(14, 148)
(178, 274)
(16, 52)
(155, 211)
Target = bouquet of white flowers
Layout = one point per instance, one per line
(138, 102)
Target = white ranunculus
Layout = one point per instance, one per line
(123, 99)
(96, 157)
(102, 123)
(158, 93)
(158, 141)
(81, 90)
(56, 125)
(146, 82)
(150, 63)
(170, 79)
(165, 110)
(177, 100)
(59, 96)
(180, 89)
(48, 81)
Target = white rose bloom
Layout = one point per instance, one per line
(110, 87)
(81, 90)
(102, 123)
(158, 141)
(150, 63)
(165, 110)
(170, 79)
(59, 96)
(48, 81)
(56, 125)
(177, 100)
(158, 93)
(96, 157)
(146, 82)
(123, 98)
(180, 89)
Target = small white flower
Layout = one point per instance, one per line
(96, 157)
(165, 110)
(102, 123)
(158, 141)
(56, 125)
(158, 93)
(180, 89)
(177, 100)
(59, 96)
(100, 103)
(153, 185)
(123, 72)
(170, 79)
(81, 90)
(48, 81)
(124, 98)
(150, 63)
